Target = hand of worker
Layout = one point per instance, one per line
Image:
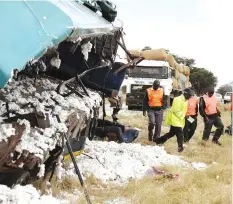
(144, 113)
(219, 113)
(114, 93)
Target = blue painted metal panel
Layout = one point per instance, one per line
(27, 29)
(115, 81)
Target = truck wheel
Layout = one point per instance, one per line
(225, 102)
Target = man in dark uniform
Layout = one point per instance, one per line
(208, 107)
(154, 104)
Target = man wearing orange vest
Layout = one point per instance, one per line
(231, 103)
(154, 104)
(231, 116)
(190, 119)
(208, 106)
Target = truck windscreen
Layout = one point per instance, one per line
(149, 72)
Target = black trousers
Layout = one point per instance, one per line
(178, 131)
(189, 128)
(217, 122)
(114, 131)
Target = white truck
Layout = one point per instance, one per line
(227, 97)
(143, 76)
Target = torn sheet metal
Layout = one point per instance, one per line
(41, 24)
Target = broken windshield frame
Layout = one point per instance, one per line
(149, 72)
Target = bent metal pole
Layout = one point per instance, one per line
(77, 171)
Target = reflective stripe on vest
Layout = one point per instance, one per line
(155, 97)
(211, 104)
(192, 104)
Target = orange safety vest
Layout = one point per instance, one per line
(155, 97)
(192, 104)
(211, 104)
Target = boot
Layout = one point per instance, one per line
(150, 138)
(154, 138)
(180, 149)
(160, 140)
(150, 132)
(114, 118)
(216, 142)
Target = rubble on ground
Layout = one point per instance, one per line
(118, 163)
(26, 195)
(40, 97)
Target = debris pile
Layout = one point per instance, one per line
(26, 195)
(118, 163)
(28, 120)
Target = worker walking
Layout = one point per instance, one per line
(176, 119)
(154, 105)
(190, 118)
(228, 130)
(208, 107)
(231, 107)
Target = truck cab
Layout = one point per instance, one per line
(227, 97)
(142, 77)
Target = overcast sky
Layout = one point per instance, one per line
(200, 29)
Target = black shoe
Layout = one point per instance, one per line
(155, 138)
(114, 118)
(150, 138)
(216, 142)
(160, 140)
(180, 149)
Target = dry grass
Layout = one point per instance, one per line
(212, 185)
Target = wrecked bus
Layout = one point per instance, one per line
(57, 64)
